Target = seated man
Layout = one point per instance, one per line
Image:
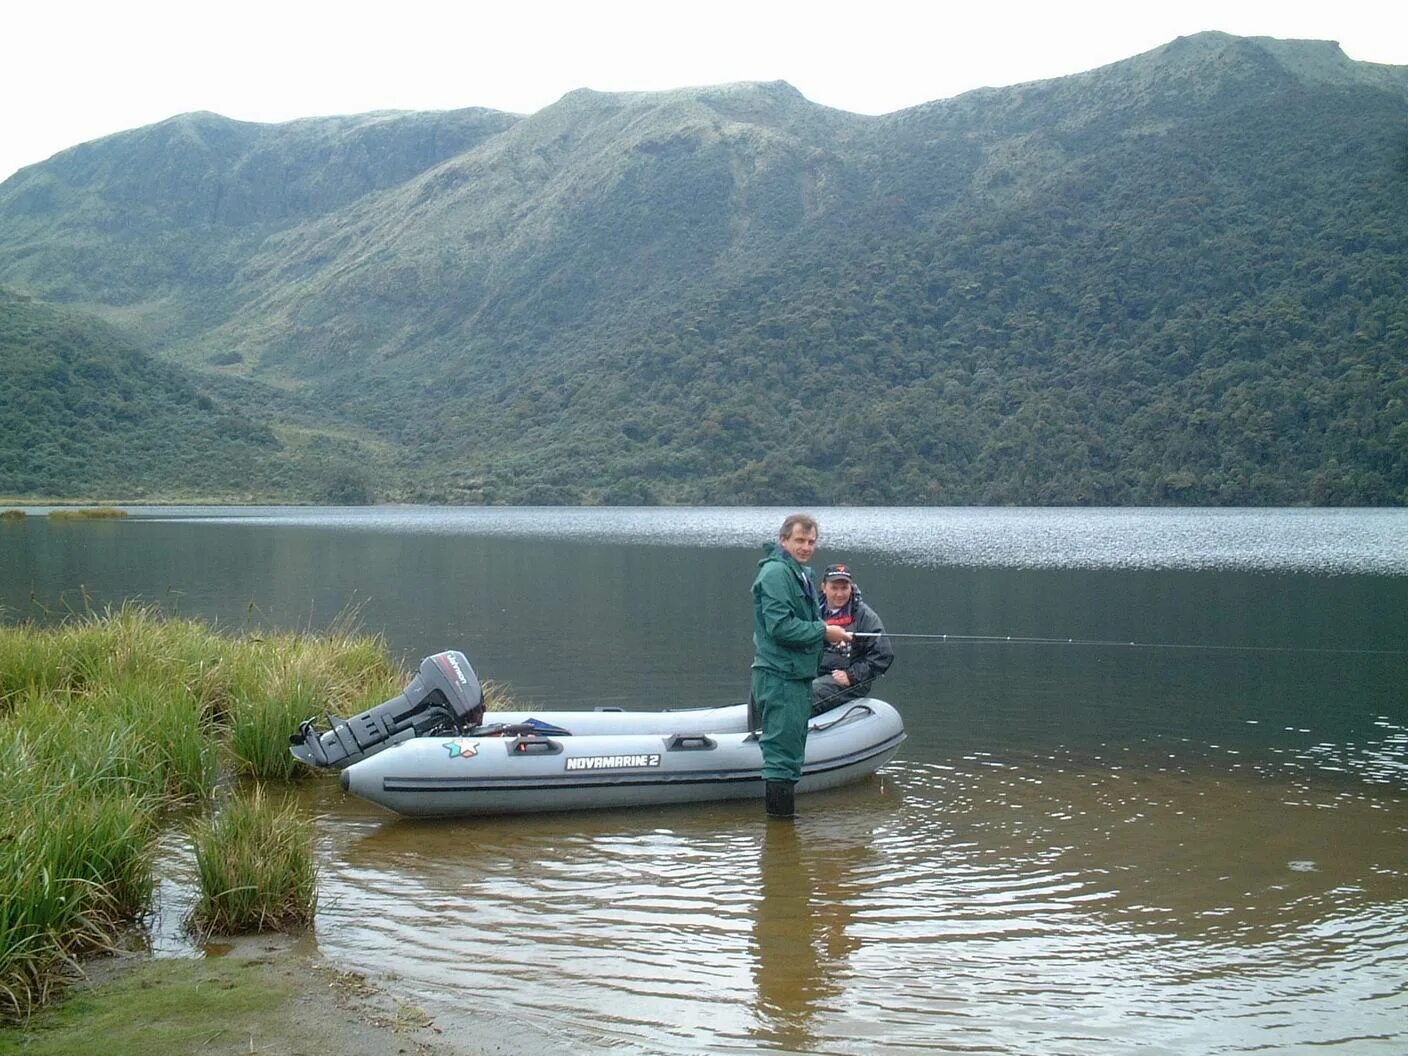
(849, 669)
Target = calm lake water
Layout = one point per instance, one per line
(1171, 817)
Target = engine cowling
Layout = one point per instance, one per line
(445, 696)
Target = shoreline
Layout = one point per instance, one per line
(262, 993)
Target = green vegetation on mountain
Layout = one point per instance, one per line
(1176, 279)
(83, 412)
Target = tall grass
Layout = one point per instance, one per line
(108, 721)
(256, 867)
(498, 696)
(75, 864)
(28, 661)
(297, 677)
(12, 515)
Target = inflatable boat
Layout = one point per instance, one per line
(430, 751)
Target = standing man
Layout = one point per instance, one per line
(848, 671)
(788, 636)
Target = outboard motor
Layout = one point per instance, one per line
(445, 696)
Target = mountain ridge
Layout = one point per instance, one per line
(1068, 290)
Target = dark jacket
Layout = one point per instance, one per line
(864, 659)
(787, 631)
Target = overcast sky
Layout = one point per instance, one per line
(74, 70)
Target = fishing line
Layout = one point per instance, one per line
(1013, 639)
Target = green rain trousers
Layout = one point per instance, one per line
(786, 707)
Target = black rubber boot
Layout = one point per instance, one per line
(778, 797)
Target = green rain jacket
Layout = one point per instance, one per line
(788, 634)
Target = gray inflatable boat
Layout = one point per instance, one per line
(429, 751)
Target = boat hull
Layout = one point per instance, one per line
(616, 759)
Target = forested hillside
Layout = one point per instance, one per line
(83, 413)
(1176, 279)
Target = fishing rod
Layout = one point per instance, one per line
(1013, 639)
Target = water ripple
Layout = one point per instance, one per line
(987, 903)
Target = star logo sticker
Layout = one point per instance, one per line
(462, 749)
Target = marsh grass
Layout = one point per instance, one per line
(74, 867)
(256, 867)
(296, 678)
(27, 662)
(87, 513)
(108, 722)
(498, 696)
(12, 515)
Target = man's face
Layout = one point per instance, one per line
(801, 544)
(838, 592)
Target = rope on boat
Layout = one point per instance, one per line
(1014, 639)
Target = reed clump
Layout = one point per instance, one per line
(87, 513)
(75, 867)
(498, 696)
(296, 677)
(12, 515)
(108, 723)
(256, 866)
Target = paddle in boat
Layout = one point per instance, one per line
(429, 752)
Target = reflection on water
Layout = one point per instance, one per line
(808, 894)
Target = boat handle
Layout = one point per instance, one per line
(853, 712)
(690, 742)
(534, 746)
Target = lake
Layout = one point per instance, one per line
(1154, 797)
